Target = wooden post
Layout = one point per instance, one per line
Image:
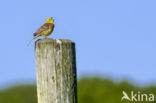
(56, 71)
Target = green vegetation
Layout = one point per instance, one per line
(98, 90)
(90, 90)
(19, 94)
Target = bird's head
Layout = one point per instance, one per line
(50, 20)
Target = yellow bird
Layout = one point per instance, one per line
(45, 30)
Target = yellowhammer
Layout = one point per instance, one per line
(45, 30)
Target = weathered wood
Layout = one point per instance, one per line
(56, 71)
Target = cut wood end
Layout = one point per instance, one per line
(47, 40)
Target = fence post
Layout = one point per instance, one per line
(56, 71)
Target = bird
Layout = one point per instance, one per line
(45, 30)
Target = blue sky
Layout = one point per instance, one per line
(114, 38)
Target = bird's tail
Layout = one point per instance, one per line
(32, 39)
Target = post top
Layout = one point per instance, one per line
(48, 40)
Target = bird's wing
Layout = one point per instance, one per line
(44, 27)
